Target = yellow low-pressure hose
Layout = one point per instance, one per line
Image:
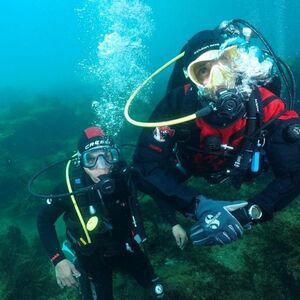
(75, 203)
(139, 88)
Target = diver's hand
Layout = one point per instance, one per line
(180, 236)
(66, 273)
(216, 225)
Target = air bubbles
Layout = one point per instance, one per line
(120, 61)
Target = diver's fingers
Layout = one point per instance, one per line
(185, 241)
(71, 282)
(181, 241)
(178, 240)
(60, 283)
(75, 272)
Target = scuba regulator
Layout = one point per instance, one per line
(240, 32)
(229, 103)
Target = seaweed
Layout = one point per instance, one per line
(264, 264)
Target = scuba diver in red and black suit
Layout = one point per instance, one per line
(103, 225)
(241, 126)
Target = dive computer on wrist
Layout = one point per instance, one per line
(254, 212)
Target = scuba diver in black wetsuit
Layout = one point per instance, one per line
(239, 124)
(103, 225)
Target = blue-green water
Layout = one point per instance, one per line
(54, 47)
(43, 42)
(67, 64)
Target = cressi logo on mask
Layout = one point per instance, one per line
(96, 144)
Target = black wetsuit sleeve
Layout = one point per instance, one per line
(155, 160)
(47, 216)
(284, 159)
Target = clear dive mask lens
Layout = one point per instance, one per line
(217, 72)
(101, 157)
(230, 55)
(220, 76)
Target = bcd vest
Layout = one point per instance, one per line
(118, 213)
(207, 161)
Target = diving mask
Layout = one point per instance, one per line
(214, 69)
(230, 66)
(99, 157)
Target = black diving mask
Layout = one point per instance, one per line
(99, 157)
